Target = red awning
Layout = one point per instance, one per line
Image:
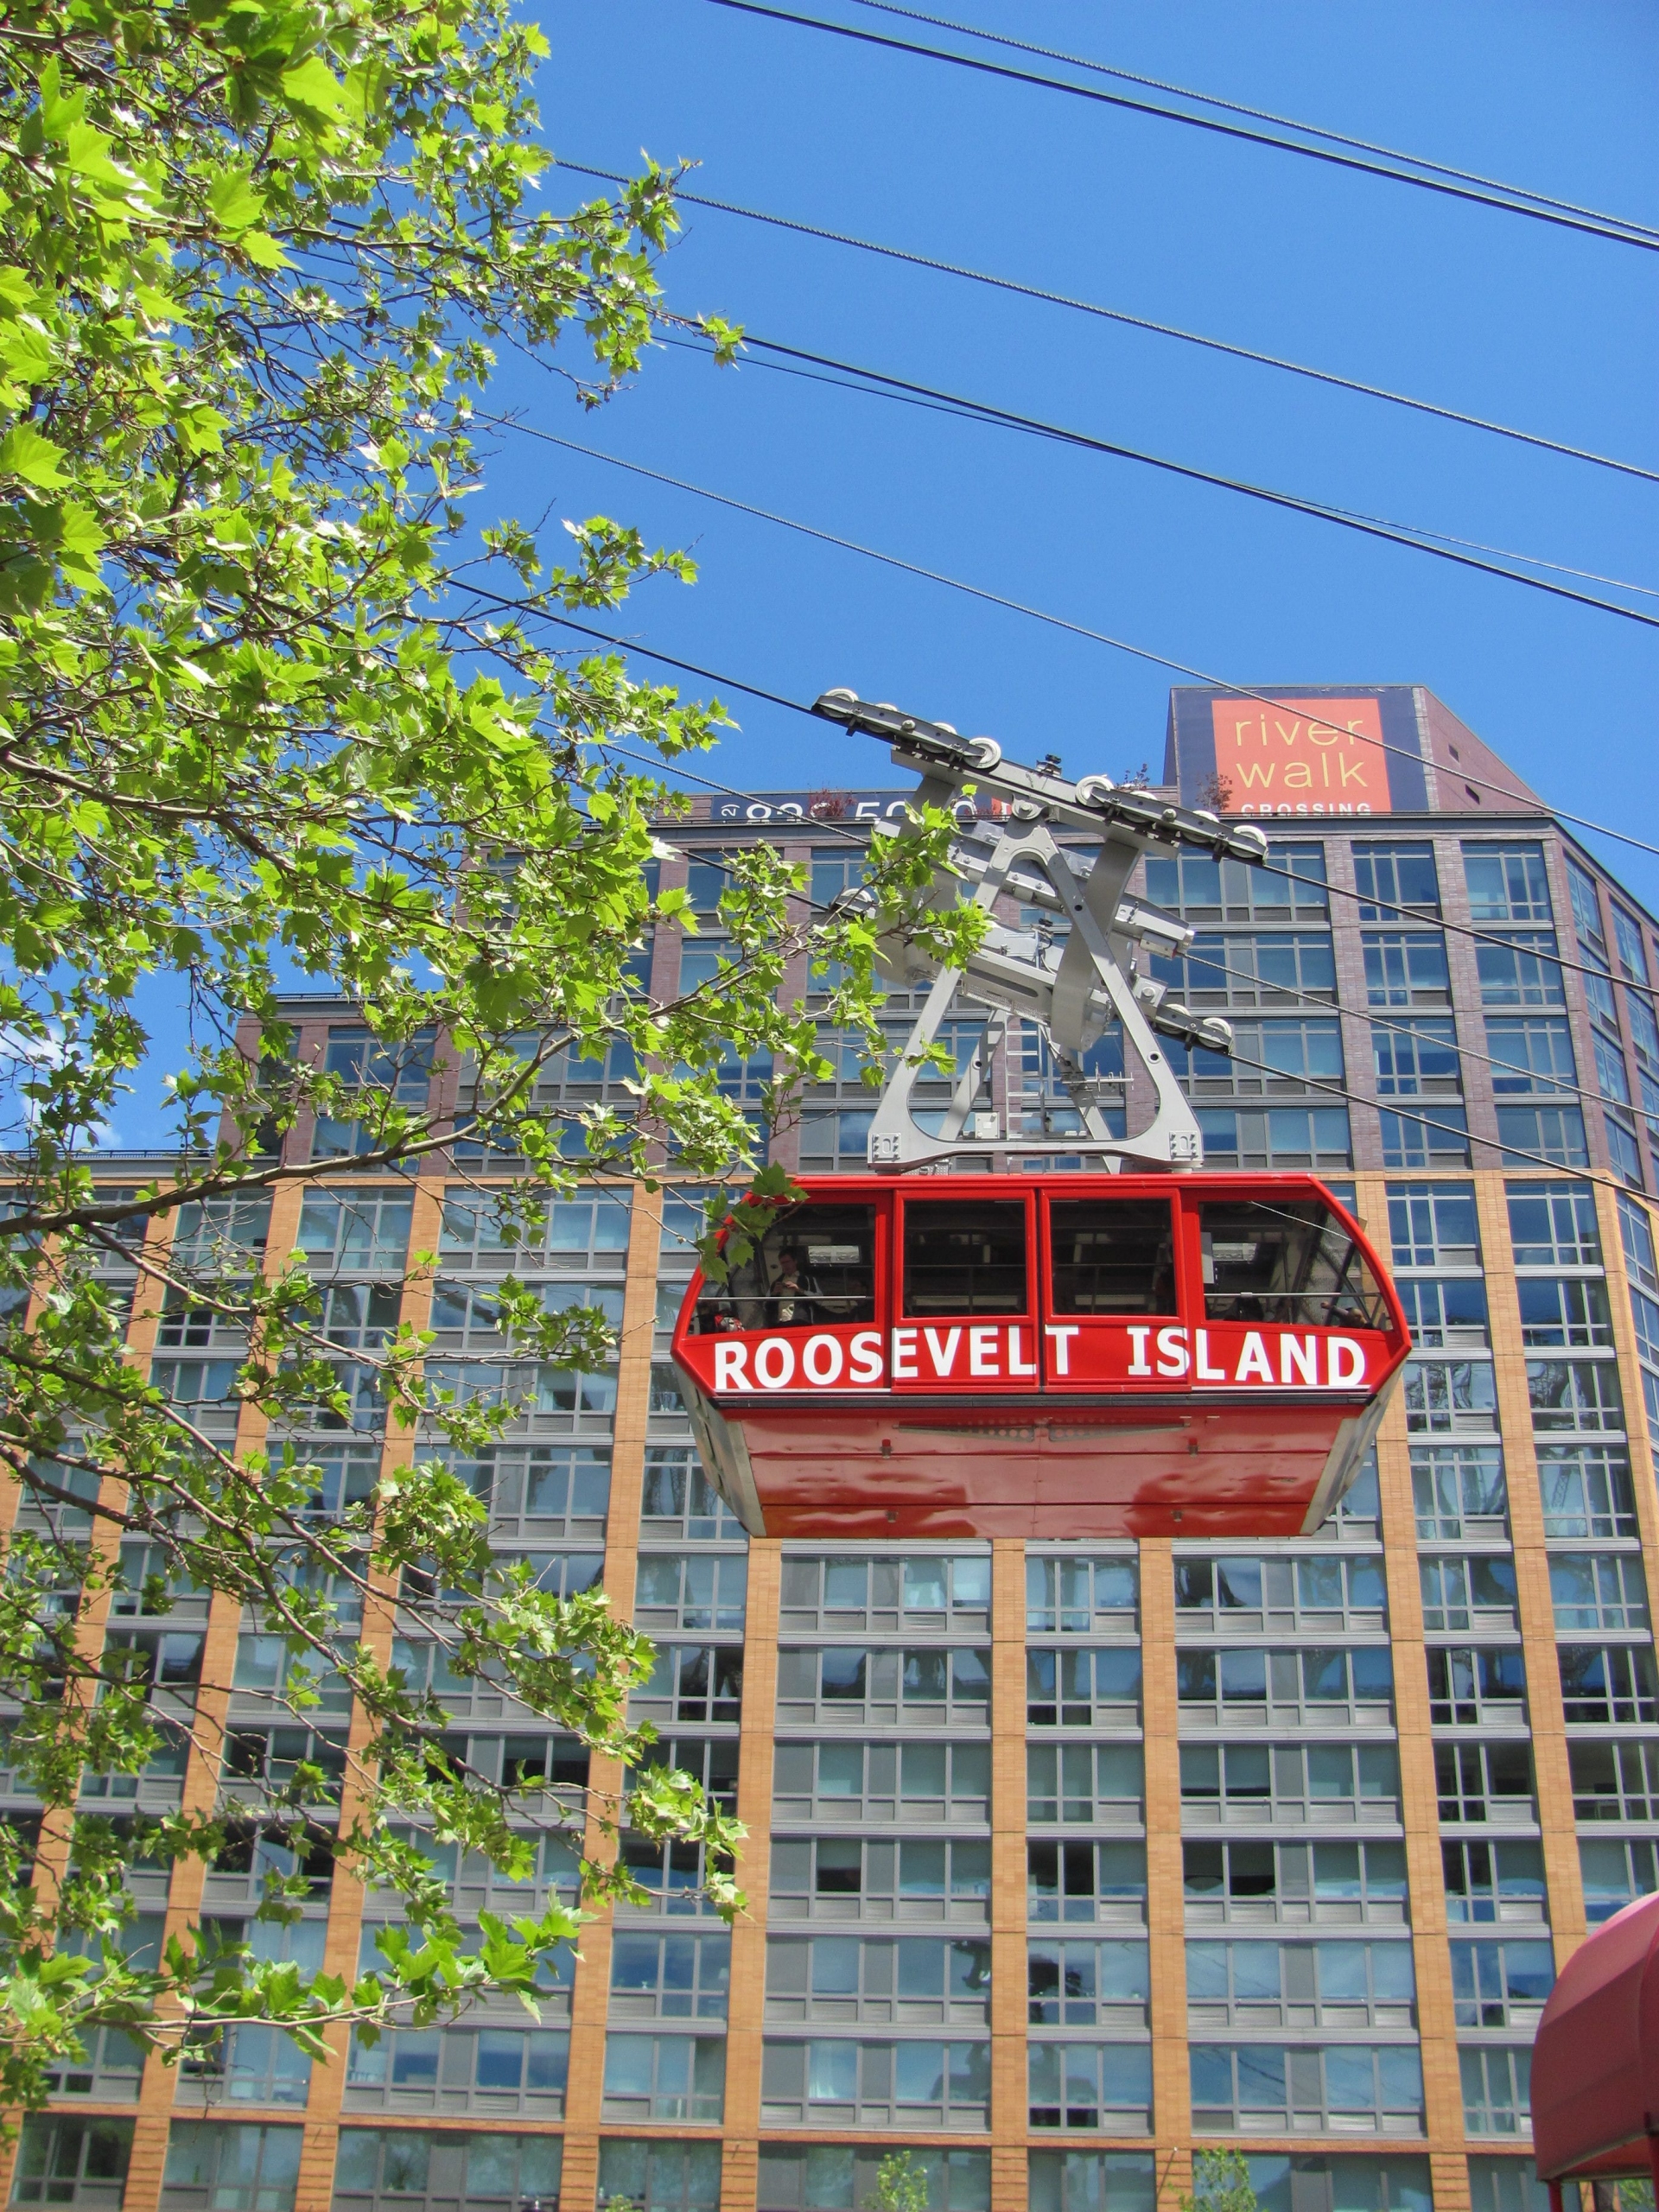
(1595, 2063)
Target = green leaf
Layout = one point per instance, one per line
(25, 453)
(311, 83)
(236, 200)
(263, 250)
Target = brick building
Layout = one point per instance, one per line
(1061, 1859)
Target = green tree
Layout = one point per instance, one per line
(1221, 2183)
(280, 700)
(900, 2184)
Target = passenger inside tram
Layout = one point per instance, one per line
(814, 1265)
(1113, 1256)
(1292, 1262)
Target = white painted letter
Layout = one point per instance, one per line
(981, 1349)
(865, 1363)
(1173, 1359)
(1303, 1354)
(1059, 1334)
(1016, 1365)
(1204, 1372)
(904, 1355)
(1340, 1353)
(774, 1353)
(1139, 1365)
(821, 1353)
(730, 1361)
(942, 1348)
(1253, 1359)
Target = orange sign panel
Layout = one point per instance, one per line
(1302, 756)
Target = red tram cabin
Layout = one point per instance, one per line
(1043, 1357)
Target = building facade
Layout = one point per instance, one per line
(1062, 1861)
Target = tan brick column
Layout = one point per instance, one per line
(1537, 1615)
(739, 2163)
(1420, 1805)
(1172, 2081)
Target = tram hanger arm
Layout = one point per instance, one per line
(1091, 803)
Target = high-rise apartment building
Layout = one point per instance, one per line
(1063, 1860)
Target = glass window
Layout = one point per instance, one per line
(964, 1258)
(1531, 1055)
(1521, 970)
(71, 2161)
(1080, 1596)
(1614, 1873)
(1093, 2180)
(1288, 1137)
(1388, 877)
(1493, 1881)
(1497, 2089)
(1611, 1079)
(1636, 1232)
(1293, 1263)
(1219, 970)
(1553, 1225)
(1586, 911)
(1623, 1150)
(1512, 2185)
(1447, 1312)
(814, 1265)
(1644, 1031)
(1551, 1136)
(1433, 1225)
(1586, 1492)
(1627, 940)
(1557, 1313)
(402, 2170)
(659, 2174)
(1500, 1985)
(230, 2167)
(1102, 2086)
(830, 2177)
(1608, 1685)
(1292, 886)
(1507, 883)
(1417, 1059)
(1113, 1256)
(1406, 967)
(1438, 1138)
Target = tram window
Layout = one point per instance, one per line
(965, 1259)
(815, 1267)
(1113, 1256)
(1291, 1262)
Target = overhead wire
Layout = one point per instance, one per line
(1511, 1152)
(1137, 322)
(1327, 1006)
(1414, 538)
(871, 387)
(1259, 115)
(1614, 229)
(1553, 959)
(990, 598)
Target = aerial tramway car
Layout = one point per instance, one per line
(1028, 1354)
(1043, 1356)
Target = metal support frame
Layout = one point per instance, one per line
(1072, 993)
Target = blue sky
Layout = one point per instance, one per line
(1539, 328)
(1542, 328)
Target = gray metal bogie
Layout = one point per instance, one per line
(1074, 988)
